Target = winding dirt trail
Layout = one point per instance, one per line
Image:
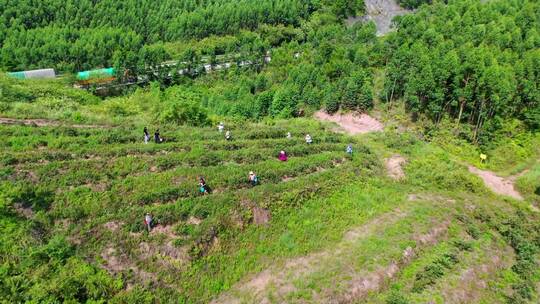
(277, 283)
(351, 123)
(280, 278)
(43, 123)
(497, 184)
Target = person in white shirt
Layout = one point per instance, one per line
(309, 140)
(148, 221)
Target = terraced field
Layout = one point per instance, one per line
(322, 227)
(94, 186)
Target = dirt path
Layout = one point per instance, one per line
(381, 12)
(42, 123)
(394, 166)
(351, 123)
(364, 283)
(277, 282)
(497, 184)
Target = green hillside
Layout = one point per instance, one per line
(439, 201)
(74, 199)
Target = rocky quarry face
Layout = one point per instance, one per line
(381, 12)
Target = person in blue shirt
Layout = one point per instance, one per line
(203, 187)
(253, 179)
(349, 149)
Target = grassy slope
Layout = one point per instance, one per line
(75, 199)
(444, 188)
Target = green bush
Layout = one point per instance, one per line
(184, 229)
(185, 113)
(462, 245)
(429, 275)
(57, 249)
(37, 198)
(284, 103)
(523, 234)
(200, 211)
(436, 169)
(395, 297)
(331, 102)
(411, 4)
(529, 183)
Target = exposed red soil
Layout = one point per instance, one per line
(497, 184)
(351, 123)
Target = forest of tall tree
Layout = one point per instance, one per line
(472, 61)
(74, 36)
(478, 63)
(80, 35)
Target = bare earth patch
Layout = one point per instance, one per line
(261, 216)
(415, 197)
(351, 123)
(394, 166)
(166, 230)
(381, 12)
(113, 263)
(194, 221)
(113, 225)
(497, 184)
(168, 250)
(116, 263)
(287, 178)
(362, 284)
(97, 187)
(26, 212)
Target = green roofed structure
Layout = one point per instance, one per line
(95, 74)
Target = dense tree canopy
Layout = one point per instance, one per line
(476, 62)
(331, 69)
(414, 3)
(473, 61)
(74, 36)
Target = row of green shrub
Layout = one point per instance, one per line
(40, 267)
(521, 232)
(21, 138)
(78, 172)
(157, 187)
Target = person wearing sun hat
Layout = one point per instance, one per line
(253, 179)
